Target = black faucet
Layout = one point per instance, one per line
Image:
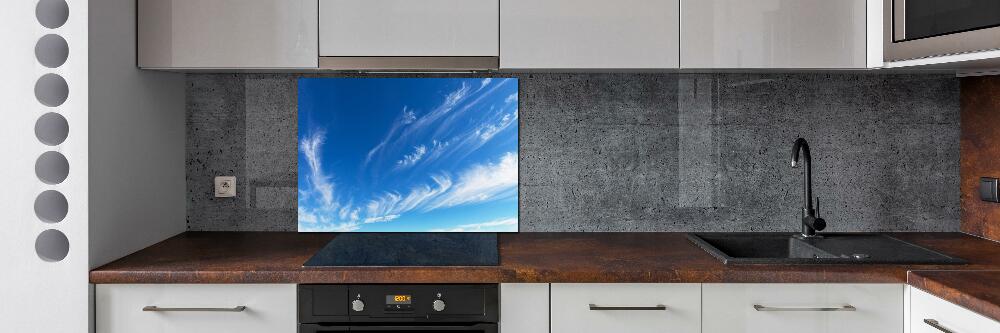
(810, 221)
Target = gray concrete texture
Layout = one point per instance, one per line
(639, 152)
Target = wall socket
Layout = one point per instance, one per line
(225, 187)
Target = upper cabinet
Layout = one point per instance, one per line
(423, 34)
(372, 35)
(775, 34)
(589, 34)
(197, 34)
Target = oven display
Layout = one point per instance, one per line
(396, 303)
(398, 299)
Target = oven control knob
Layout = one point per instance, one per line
(358, 305)
(438, 305)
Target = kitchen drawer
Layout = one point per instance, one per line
(948, 316)
(625, 307)
(269, 308)
(797, 308)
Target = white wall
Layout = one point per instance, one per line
(38, 295)
(137, 188)
(126, 128)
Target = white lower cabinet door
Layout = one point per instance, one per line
(625, 307)
(191, 308)
(802, 308)
(930, 314)
(524, 308)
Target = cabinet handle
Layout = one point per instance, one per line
(935, 324)
(658, 307)
(848, 307)
(154, 308)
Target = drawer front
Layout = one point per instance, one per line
(269, 308)
(946, 315)
(731, 308)
(571, 310)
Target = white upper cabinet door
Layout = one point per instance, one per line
(589, 34)
(409, 28)
(815, 308)
(625, 307)
(227, 33)
(773, 34)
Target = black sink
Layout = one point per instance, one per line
(786, 248)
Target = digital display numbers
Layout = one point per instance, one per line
(398, 299)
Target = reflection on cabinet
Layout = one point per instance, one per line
(407, 28)
(626, 307)
(227, 33)
(774, 34)
(582, 34)
(819, 308)
(929, 314)
(196, 308)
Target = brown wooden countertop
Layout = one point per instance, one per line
(978, 291)
(277, 257)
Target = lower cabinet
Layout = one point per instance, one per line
(930, 314)
(816, 308)
(625, 307)
(524, 307)
(190, 308)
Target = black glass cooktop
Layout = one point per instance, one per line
(408, 249)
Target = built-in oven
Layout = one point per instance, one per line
(928, 28)
(386, 308)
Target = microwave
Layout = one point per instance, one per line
(915, 29)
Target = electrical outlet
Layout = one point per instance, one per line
(225, 187)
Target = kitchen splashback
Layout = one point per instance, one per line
(639, 152)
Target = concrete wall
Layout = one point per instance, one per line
(640, 152)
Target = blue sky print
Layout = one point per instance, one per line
(408, 155)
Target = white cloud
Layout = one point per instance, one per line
(307, 217)
(487, 131)
(454, 97)
(496, 225)
(408, 115)
(482, 182)
(336, 227)
(349, 213)
(320, 182)
(384, 218)
(479, 183)
(420, 195)
(412, 158)
(383, 204)
(417, 124)
(511, 98)
(484, 83)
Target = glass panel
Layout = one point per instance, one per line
(928, 18)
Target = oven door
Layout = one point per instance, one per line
(474, 328)
(926, 28)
